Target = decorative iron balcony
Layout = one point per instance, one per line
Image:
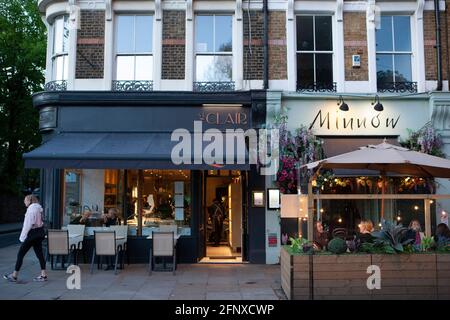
(214, 86)
(397, 87)
(57, 85)
(132, 85)
(316, 87)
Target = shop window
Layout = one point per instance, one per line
(114, 193)
(133, 45)
(72, 196)
(164, 197)
(347, 214)
(60, 52)
(314, 53)
(213, 48)
(393, 51)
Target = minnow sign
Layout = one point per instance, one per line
(325, 118)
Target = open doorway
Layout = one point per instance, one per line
(223, 216)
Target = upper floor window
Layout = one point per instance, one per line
(213, 48)
(60, 55)
(133, 45)
(393, 50)
(314, 53)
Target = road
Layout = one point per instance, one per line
(7, 239)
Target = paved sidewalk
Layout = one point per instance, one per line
(191, 282)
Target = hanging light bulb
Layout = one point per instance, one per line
(340, 220)
(416, 208)
(399, 218)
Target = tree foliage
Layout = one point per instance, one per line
(22, 65)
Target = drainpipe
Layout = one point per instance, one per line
(438, 45)
(266, 45)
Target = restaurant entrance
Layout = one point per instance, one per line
(222, 222)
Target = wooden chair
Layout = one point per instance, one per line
(163, 246)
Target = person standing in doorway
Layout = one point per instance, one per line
(218, 215)
(31, 236)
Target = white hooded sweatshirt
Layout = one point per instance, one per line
(33, 219)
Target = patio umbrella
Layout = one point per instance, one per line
(387, 158)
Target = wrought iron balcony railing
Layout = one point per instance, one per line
(57, 85)
(214, 86)
(316, 87)
(132, 85)
(397, 87)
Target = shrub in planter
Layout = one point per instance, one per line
(337, 246)
(391, 235)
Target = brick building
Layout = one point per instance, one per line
(301, 57)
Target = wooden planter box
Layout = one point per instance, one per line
(328, 276)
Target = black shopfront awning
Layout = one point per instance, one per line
(124, 150)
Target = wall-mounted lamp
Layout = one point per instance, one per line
(377, 105)
(342, 105)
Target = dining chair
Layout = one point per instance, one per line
(76, 237)
(121, 242)
(105, 246)
(58, 245)
(163, 247)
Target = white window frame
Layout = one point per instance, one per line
(213, 53)
(133, 54)
(314, 51)
(393, 53)
(63, 54)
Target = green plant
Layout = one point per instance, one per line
(443, 244)
(300, 244)
(391, 235)
(427, 244)
(337, 246)
(368, 247)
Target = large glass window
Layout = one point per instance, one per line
(72, 196)
(134, 53)
(60, 60)
(213, 48)
(393, 45)
(164, 197)
(314, 52)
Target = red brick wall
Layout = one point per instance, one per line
(174, 45)
(253, 48)
(429, 35)
(355, 42)
(277, 45)
(91, 45)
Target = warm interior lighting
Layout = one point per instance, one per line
(416, 208)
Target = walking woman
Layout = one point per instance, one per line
(32, 235)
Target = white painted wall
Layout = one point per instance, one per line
(93, 188)
(272, 216)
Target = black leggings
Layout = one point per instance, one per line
(26, 245)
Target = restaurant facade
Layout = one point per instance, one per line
(122, 76)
